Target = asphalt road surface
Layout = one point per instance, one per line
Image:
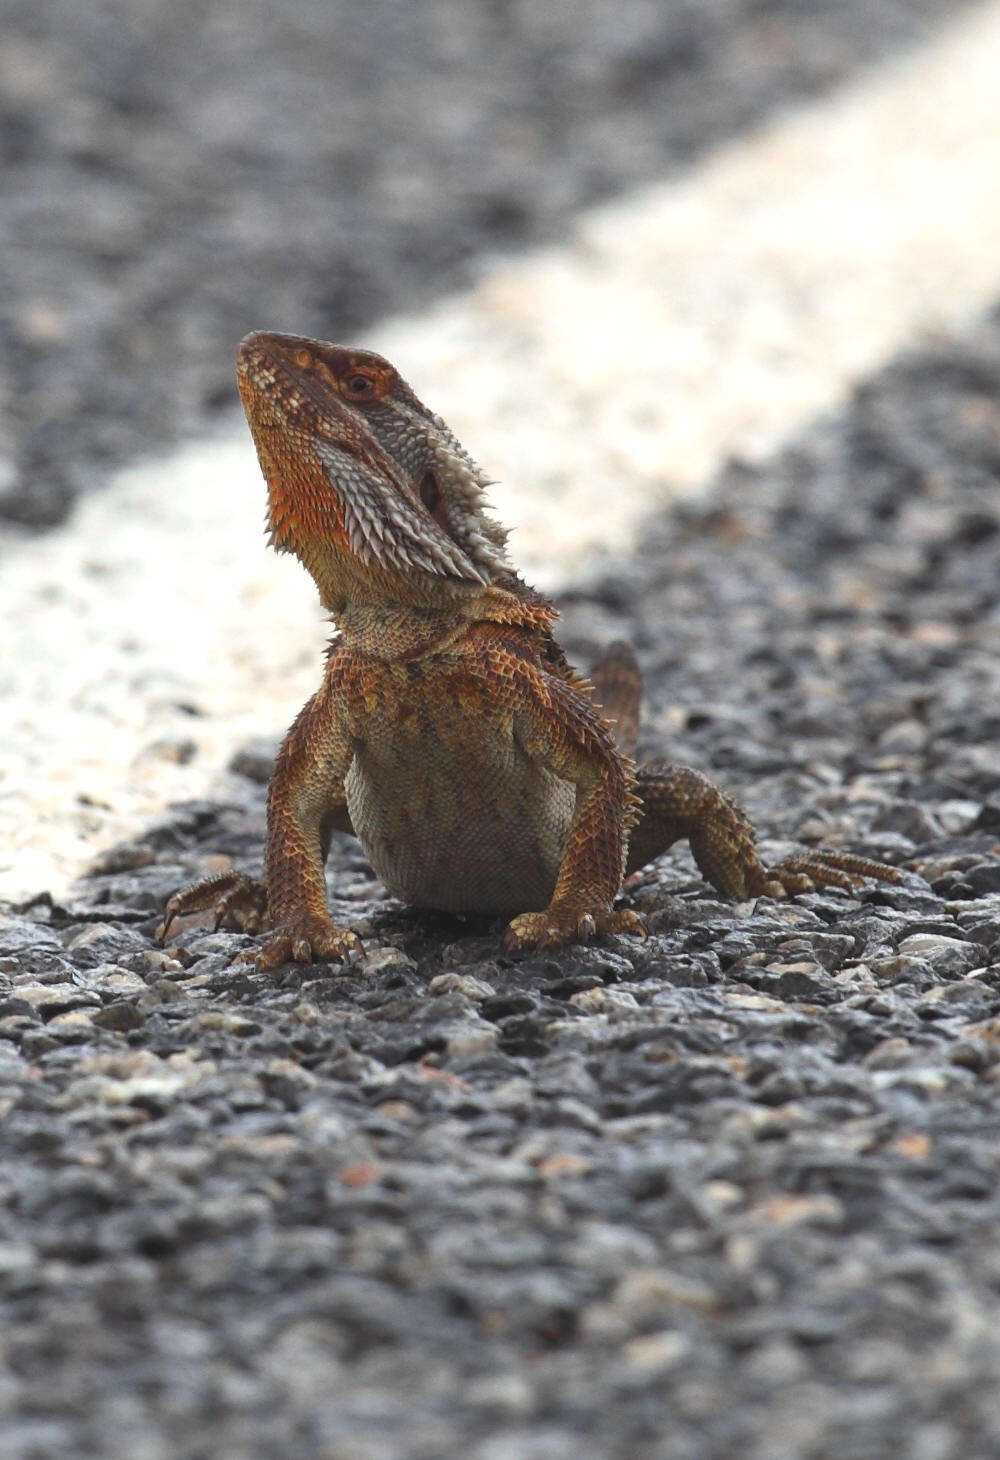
(728, 1191)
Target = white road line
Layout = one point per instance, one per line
(715, 316)
(703, 318)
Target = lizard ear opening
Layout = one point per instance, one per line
(382, 522)
(437, 506)
(430, 492)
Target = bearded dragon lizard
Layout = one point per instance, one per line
(478, 771)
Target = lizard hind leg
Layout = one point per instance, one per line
(617, 682)
(679, 802)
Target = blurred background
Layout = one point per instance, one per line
(175, 175)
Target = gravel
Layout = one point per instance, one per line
(732, 1190)
(729, 1191)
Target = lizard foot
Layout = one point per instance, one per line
(805, 871)
(239, 904)
(303, 940)
(556, 927)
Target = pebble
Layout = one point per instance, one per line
(52, 999)
(946, 956)
(456, 983)
(604, 1001)
(383, 960)
(658, 1352)
(103, 943)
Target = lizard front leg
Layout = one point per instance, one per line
(560, 727)
(239, 902)
(305, 804)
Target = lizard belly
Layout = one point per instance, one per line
(459, 818)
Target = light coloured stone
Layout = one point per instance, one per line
(385, 958)
(461, 983)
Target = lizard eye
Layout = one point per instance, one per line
(358, 386)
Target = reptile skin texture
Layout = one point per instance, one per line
(449, 734)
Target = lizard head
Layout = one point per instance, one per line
(367, 487)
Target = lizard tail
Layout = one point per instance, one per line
(617, 682)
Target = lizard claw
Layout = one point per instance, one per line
(239, 904)
(307, 940)
(805, 871)
(556, 927)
